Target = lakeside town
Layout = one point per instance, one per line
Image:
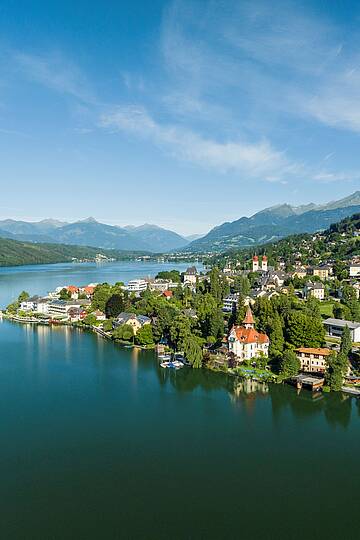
(277, 322)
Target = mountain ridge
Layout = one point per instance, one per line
(274, 223)
(90, 232)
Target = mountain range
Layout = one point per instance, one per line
(275, 223)
(265, 226)
(90, 232)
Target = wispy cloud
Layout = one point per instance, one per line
(257, 159)
(56, 73)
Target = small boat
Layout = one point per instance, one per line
(172, 365)
(164, 357)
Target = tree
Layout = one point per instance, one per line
(242, 285)
(180, 328)
(64, 294)
(290, 365)
(304, 330)
(144, 335)
(114, 305)
(193, 351)
(90, 319)
(107, 325)
(341, 311)
(337, 366)
(172, 275)
(124, 332)
(101, 295)
(23, 296)
(346, 342)
(276, 337)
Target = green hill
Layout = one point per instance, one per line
(339, 242)
(14, 253)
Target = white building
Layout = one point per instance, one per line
(315, 289)
(137, 286)
(246, 342)
(35, 304)
(354, 270)
(190, 276)
(61, 308)
(230, 303)
(335, 327)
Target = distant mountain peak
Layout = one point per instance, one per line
(88, 220)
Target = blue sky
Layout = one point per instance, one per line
(185, 114)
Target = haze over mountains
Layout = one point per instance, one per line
(265, 226)
(90, 232)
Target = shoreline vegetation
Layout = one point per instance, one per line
(245, 316)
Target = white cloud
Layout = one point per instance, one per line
(254, 159)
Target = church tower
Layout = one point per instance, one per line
(264, 264)
(249, 322)
(255, 263)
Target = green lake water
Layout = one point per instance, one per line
(99, 442)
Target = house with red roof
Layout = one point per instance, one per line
(168, 294)
(245, 341)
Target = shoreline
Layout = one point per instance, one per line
(349, 391)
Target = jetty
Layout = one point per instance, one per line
(314, 384)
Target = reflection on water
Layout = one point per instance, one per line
(75, 347)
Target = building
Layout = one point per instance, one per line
(230, 303)
(61, 308)
(35, 304)
(322, 272)
(167, 294)
(354, 270)
(136, 286)
(255, 263)
(100, 316)
(190, 276)
(246, 342)
(76, 314)
(315, 289)
(264, 264)
(73, 291)
(300, 272)
(133, 320)
(313, 360)
(335, 327)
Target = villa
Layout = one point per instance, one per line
(246, 342)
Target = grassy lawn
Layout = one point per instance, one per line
(326, 309)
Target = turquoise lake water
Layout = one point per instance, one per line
(99, 442)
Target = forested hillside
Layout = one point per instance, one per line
(14, 253)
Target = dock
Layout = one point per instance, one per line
(314, 384)
(351, 390)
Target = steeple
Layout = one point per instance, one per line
(249, 322)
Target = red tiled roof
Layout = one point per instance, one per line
(255, 258)
(311, 350)
(249, 319)
(168, 293)
(250, 335)
(72, 288)
(89, 290)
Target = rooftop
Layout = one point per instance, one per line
(342, 323)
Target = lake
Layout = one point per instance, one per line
(99, 442)
(42, 278)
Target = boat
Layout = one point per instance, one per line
(172, 365)
(164, 357)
